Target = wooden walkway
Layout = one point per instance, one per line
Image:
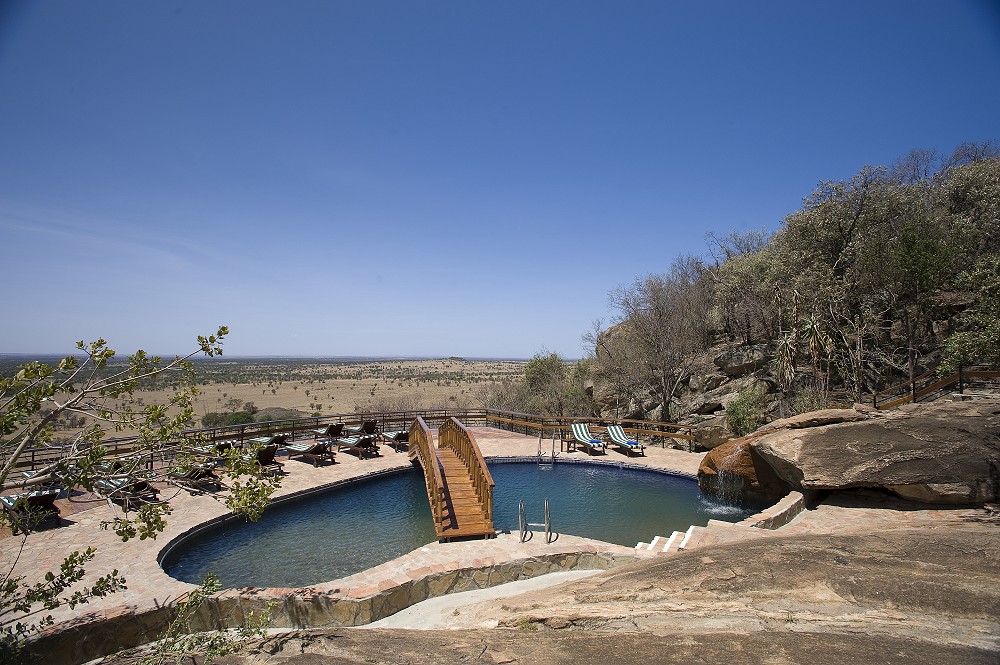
(459, 486)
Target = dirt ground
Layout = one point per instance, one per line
(312, 386)
(343, 388)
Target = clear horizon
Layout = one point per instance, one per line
(387, 179)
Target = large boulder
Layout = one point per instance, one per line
(734, 471)
(704, 382)
(740, 361)
(711, 433)
(942, 452)
(706, 406)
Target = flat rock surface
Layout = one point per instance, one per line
(888, 595)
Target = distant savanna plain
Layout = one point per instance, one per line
(277, 388)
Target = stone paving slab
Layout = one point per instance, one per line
(149, 586)
(132, 615)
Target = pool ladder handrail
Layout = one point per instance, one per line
(552, 456)
(523, 524)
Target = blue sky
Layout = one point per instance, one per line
(433, 178)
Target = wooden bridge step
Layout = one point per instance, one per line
(464, 513)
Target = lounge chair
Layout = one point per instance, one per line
(272, 440)
(215, 449)
(126, 489)
(367, 428)
(27, 510)
(265, 454)
(193, 474)
(313, 449)
(399, 440)
(362, 446)
(53, 483)
(583, 437)
(628, 446)
(330, 432)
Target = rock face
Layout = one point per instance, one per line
(733, 470)
(711, 433)
(894, 597)
(738, 362)
(942, 452)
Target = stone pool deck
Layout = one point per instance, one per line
(136, 613)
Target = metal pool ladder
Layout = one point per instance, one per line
(523, 524)
(544, 461)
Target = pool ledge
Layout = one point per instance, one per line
(428, 572)
(139, 614)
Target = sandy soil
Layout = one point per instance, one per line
(312, 387)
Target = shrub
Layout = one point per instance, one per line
(215, 419)
(810, 399)
(745, 412)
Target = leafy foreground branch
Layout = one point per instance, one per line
(96, 387)
(180, 641)
(21, 603)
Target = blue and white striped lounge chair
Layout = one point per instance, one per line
(583, 437)
(330, 433)
(628, 446)
(194, 473)
(367, 428)
(264, 456)
(127, 490)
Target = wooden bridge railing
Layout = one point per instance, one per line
(929, 384)
(453, 434)
(422, 450)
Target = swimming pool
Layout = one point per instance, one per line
(354, 527)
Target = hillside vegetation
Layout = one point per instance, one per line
(873, 280)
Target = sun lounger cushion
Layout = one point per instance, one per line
(617, 434)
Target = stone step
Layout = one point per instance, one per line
(671, 544)
(687, 538)
(697, 537)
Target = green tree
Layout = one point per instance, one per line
(745, 412)
(555, 387)
(101, 389)
(980, 340)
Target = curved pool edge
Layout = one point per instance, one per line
(139, 615)
(196, 529)
(357, 605)
(332, 605)
(298, 495)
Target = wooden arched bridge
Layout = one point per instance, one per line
(459, 486)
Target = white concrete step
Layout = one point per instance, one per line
(675, 537)
(677, 541)
(687, 538)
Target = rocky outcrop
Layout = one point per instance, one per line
(704, 382)
(822, 417)
(943, 452)
(733, 470)
(893, 597)
(711, 433)
(740, 361)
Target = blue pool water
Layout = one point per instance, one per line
(355, 527)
